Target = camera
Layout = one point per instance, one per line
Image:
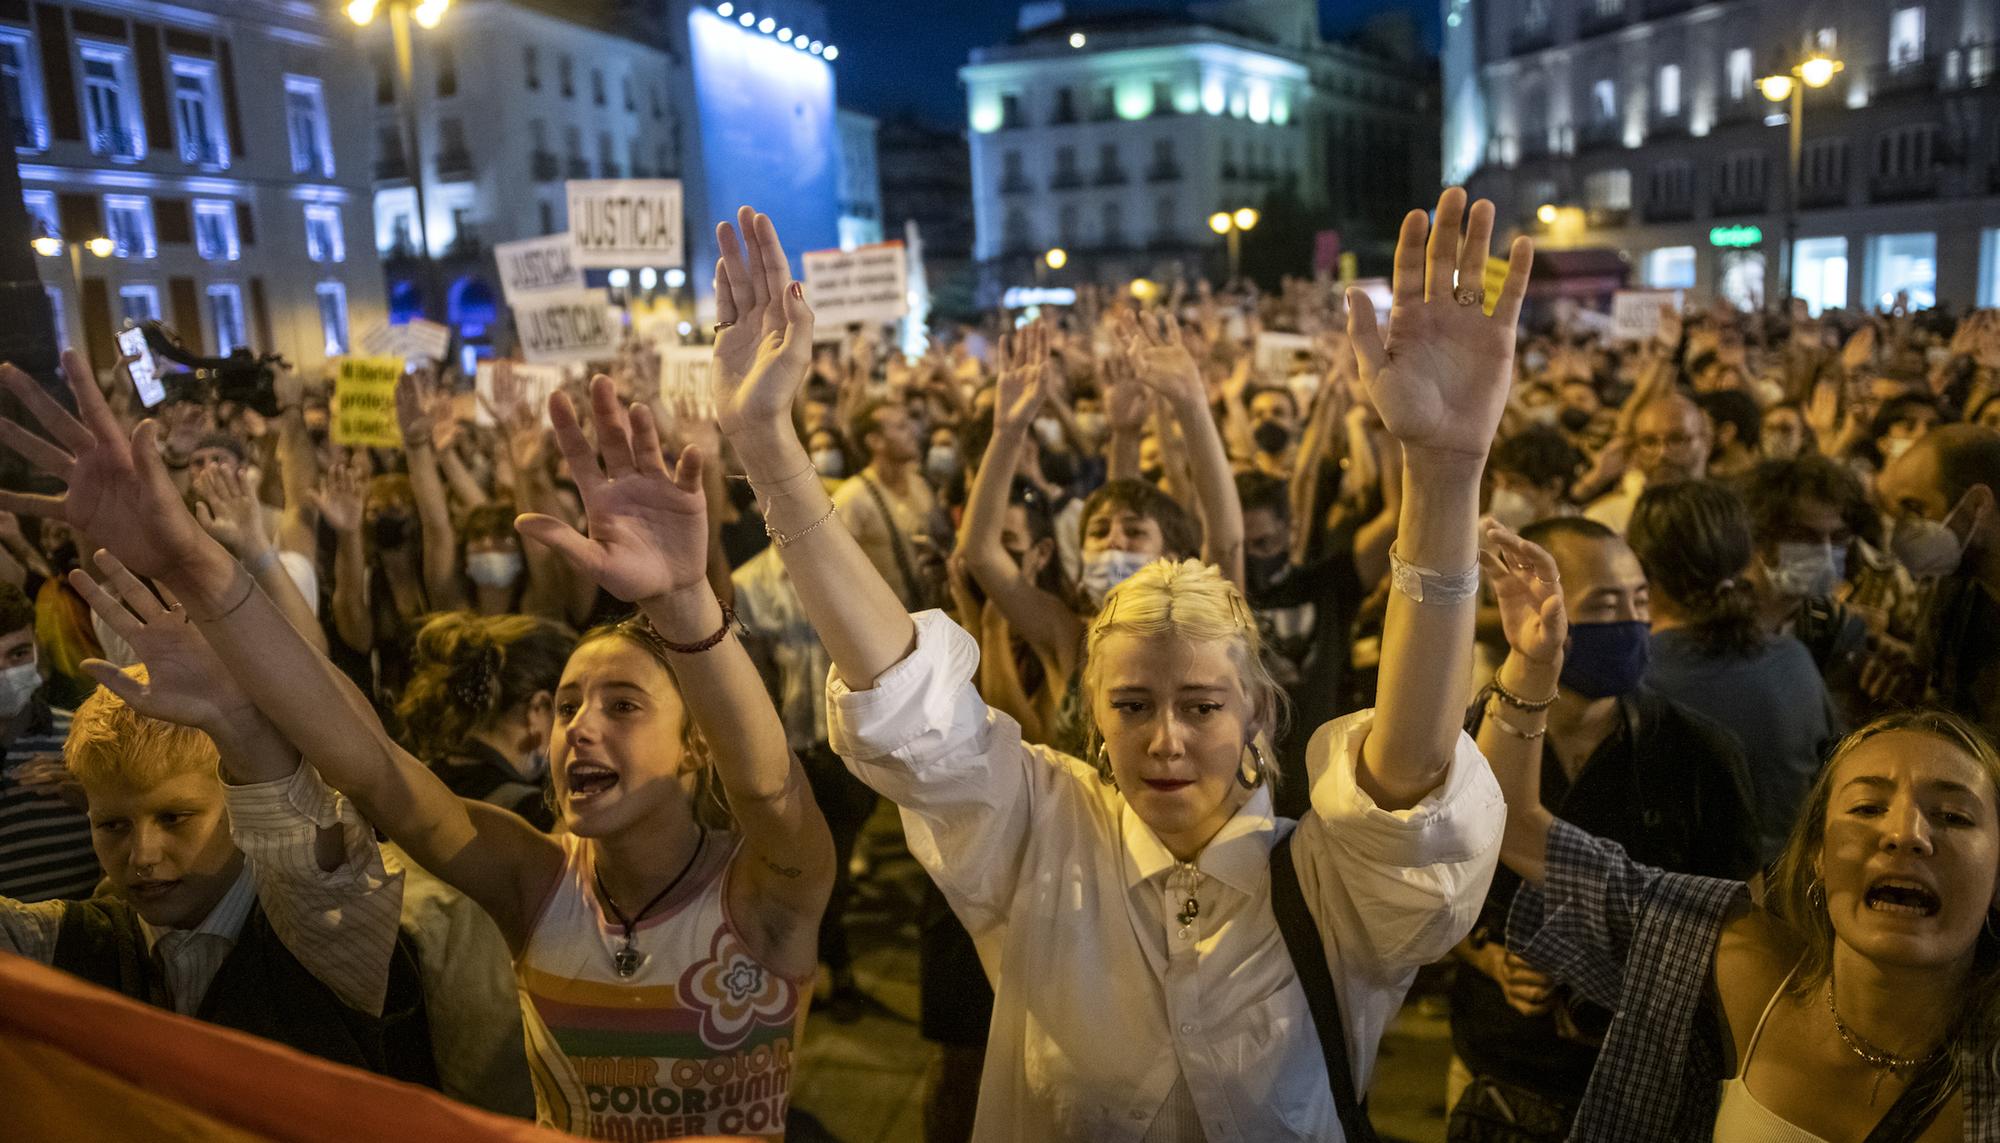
(241, 377)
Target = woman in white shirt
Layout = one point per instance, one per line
(1122, 904)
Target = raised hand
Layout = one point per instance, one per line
(1127, 403)
(185, 682)
(1529, 591)
(340, 498)
(416, 408)
(1024, 386)
(1440, 376)
(1160, 359)
(119, 491)
(1860, 348)
(230, 511)
(763, 343)
(648, 526)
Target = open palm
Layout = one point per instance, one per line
(1528, 589)
(1023, 384)
(1440, 377)
(648, 526)
(764, 329)
(186, 682)
(1159, 357)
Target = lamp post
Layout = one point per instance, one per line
(1231, 225)
(428, 14)
(51, 245)
(1815, 70)
(1055, 259)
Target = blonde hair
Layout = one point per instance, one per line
(109, 743)
(1195, 602)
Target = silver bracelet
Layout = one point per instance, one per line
(1426, 585)
(262, 563)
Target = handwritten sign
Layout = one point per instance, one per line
(1275, 352)
(684, 387)
(557, 329)
(869, 285)
(364, 402)
(625, 222)
(535, 383)
(538, 266)
(418, 338)
(1635, 314)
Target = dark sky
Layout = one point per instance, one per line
(905, 54)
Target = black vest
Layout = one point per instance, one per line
(261, 989)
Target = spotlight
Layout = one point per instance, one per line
(746, 19)
(816, 47)
(832, 52)
(1076, 39)
(766, 24)
(725, 9)
(676, 278)
(784, 35)
(619, 278)
(647, 277)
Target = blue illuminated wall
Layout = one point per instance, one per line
(768, 138)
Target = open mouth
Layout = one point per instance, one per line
(1168, 785)
(1901, 897)
(588, 780)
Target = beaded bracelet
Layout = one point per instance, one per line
(1510, 728)
(1531, 706)
(652, 635)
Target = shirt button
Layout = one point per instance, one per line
(1187, 1029)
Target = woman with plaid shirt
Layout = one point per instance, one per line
(1856, 997)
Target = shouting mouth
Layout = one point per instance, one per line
(587, 780)
(1902, 897)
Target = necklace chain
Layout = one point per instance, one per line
(1190, 874)
(1873, 1056)
(627, 959)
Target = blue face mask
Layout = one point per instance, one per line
(1105, 570)
(1606, 659)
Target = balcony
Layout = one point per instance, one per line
(1525, 40)
(1667, 127)
(1600, 135)
(1903, 186)
(1111, 177)
(579, 167)
(1595, 21)
(1739, 202)
(1916, 77)
(116, 143)
(1163, 173)
(1669, 210)
(391, 168)
(1069, 179)
(203, 153)
(1015, 183)
(545, 166)
(1814, 196)
(30, 134)
(455, 166)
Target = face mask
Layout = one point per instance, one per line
(1091, 425)
(1267, 571)
(1050, 433)
(531, 768)
(1534, 361)
(1605, 659)
(1926, 548)
(1575, 420)
(1105, 570)
(1512, 509)
(1544, 415)
(391, 531)
(830, 462)
(1807, 571)
(1271, 437)
(1152, 475)
(1894, 447)
(942, 463)
(1775, 447)
(493, 569)
(17, 686)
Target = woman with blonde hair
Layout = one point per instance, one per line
(1858, 999)
(1171, 961)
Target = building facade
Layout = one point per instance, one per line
(1116, 136)
(860, 181)
(1639, 126)
(221, 148)
(926, 176)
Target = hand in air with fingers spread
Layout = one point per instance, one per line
(185, 682)
(1528, 589)
(1023, 385)
(1440, 376)
(648, 525)
(764, 330)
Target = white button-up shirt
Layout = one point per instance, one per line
(1103, 999)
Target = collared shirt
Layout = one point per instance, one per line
(340, 925)
(1658, 1078)
(1104, 999)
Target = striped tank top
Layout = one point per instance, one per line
(699, 1041)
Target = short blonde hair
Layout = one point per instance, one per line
(1194, 601)
(109, 743)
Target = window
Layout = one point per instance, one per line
(597, 86)
(1827, 40)
(333, 316)
(1902, 263)
(1819, 272)
(1741, 176)
(1905, 152)
(324, 240)
(1670, 268)
(56, 316)
(128, 222)
(1066, 225)
(447, 71)
(531, 67)
(1608, 190)
(1823, 164)
(1065, 111)
(137, 302)
(1604, 101)
(21, 80)
(215, 230)
(198, 114)
(43, 221)
(1165, 216)
(1906, 38)
(305, 124)
(547, 210)
(1670, 91)
(1112, 224)
(566, 76)
(225, 312)
(111, 102)
(1010, 111)
(607, 156)
(1534, 16)
(1989, 268)
(1740, 75)
(1672, 181)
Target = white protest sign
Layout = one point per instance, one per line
(379, 341)
(625, 222)
(425, 339)
(1635, 314)
(868, 285)
(556, 329)
(537, 266)
(684, 387)
(1275, 350)
(534, 383)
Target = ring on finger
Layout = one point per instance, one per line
(1468, 296)
(722, 325)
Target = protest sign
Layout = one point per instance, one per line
(556, 329)
(868, 285)
(364, 402)
(684, 387)
(537, 266)
(1635, 314)
(1274, 352)
(534, 384)
(425, 339)
(625, 222)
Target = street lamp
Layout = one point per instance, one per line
(51, 245)
(1816, 70)
(1057, 258)
(1231, 225)
(1546, 214)
(428, 14)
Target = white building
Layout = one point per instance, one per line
(860, 181)
(220, 145)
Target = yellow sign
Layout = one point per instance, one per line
(1496, 277)
(364, 402)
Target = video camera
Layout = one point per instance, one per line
(242, 377)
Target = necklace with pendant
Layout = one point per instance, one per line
(1188, 875)
(1885, 1063)
(628, 959)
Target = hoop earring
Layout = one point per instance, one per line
(1259, 769)
(1103, 763)
(1816, 894)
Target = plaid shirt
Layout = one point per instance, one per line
(1659, 1077)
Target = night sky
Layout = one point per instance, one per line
(900, 55)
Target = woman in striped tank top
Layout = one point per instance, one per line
(664, 962)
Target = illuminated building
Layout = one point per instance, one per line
(220, 147)
(860, 183)
(1642, 123)
(1117, 134)
(927, 179)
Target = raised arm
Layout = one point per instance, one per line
(298, 467)
(1439, 380)
(340, 500)
(648, 546)
(1127, 404)
(230, 511)
(763, 350)
(1529, 591)
(1168, 369)
(417, 413)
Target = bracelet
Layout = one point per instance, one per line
(249, 589)
(1510, 728)
(1426, 585)
(1530, 706)
(787, 480)
(262, 563)
(783, 541)
(645, 629)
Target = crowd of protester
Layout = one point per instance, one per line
(527, 761)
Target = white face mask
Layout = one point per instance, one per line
(1105, 570)
(1512, 509)
(830, 462)
(493, 569)
(1806, 571)
(941, 464)
(1050, 432)
(17, 686)
(1926, 548)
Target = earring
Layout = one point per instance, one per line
(1259, 769)
(1103, 763)
(1991, 931)
(1816, 893)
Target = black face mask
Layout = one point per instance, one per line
(1267, 571)
(1575, 420)
(1152, 475)
(63, 559)
(1271, 437)
(392, 531)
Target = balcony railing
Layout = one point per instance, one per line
(1752, 108)
(203, 153)
(1673, 126)
(1740, 202)
(1903, 187)
(545, 166)
(1669, 210)
(30, 134)
(115, 142)
(1163, 173)
(1915, 77)
(454, 165)
(1813, 196)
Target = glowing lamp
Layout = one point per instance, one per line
(1546, 214)
(1057, 258)
(816, 47)
(1818, 71)
(1145, 289)
(832, 52)
(747, 19)
(361, 11)
(766, 24)
(784, 35)
(676, 278)
(619, 278)
(48, 246)
(1776, 88)
(101, 247)
(430, 13)
(1077, 39)
(1246, 218)
(685, 328)
(1220, 222)
(725, 9)
(648, 278)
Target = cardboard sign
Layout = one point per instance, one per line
(626, 222)
(1275, 350)
(364, 402)
(868, 285)
(536, 382)
(684, 386)
(537, 266)
(1635, 314)
(557, 329)
(416, 339)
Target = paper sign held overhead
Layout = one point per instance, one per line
(684, 387)
(557, 329)
(364, 402)
(626, 222)
(1635, 314)
(534, 382)
(537, 266)
(1275, 352)
(426, 339)
(869, 285)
